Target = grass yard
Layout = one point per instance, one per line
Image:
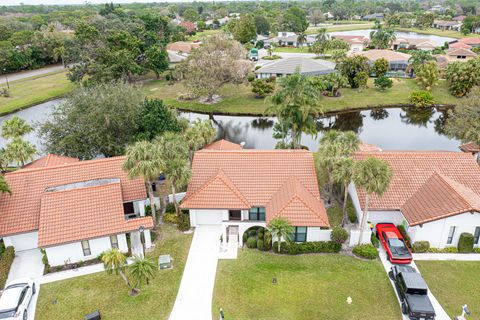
(108, 293)
(438, 32)
(335, 214)
(292, 49)
(203, 34)
(238, 99)
(311, 286)
(34, 90)
(454, 283)
(356, 25)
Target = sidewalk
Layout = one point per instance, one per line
(447, 256)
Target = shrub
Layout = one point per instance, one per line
(44, 258)
(339, 235)
(383, 83)
(380, 67)
(293, 248)
(183, 223)
(272, 57)
(352, 215)
(421, 98)
(2, 247)
(366, 251)
(444, 250)
(262, 88)
(374, 240)
(261, 245)
(405, 235)
(250, 77)
(245, 237)
(465, 243)
(421, 246)
(252, 233)
(260, 233)
(5, 264)
(170, 207)
(252, 242)
(170, 217)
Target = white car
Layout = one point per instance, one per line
(15, 299)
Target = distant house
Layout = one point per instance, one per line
(374, 16)
(178, 51)
(289, 39)
(459, 18)
(398, 61)
(414, 44)
(74, 210)
(467, 43)
(306, 66)
(447, 25)
(435, 195)
(472, 148)
(460, 54)
(357, 43)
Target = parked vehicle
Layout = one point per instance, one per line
(393, 243)
(15, 299)
(413, 293)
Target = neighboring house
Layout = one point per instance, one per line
(459, 54)
(237, 189)
(413, 44)
(374, 16)
(398, 61)
(472, 148)
(447, 25)
(216, 23)
(74, 209)
(459, 18)
(306, 66)
(434, 194)
(183, 46)
(437, 9)
(467, 43)
(357, 43)
(289, 39)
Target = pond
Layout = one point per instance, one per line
(390, 129)
(440, 41)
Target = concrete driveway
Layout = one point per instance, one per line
(440, 313)
(194, 298)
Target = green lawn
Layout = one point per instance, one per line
(203, 34)
(292, 49)
(354, 25)
(30, 91)
(79, 296)
(335, 214)
(313, 286)
(438, 32)
(238, 99)
(454, 283)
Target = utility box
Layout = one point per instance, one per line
(93, 316)
(165, 262)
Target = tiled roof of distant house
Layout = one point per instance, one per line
(471, 147)
(182, 46)
(303, 65)
(223, 145)
(389, 55)
(50, 160)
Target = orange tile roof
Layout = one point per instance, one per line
(84, 213)
(50, 160)
(368, 147)
(411, 171)
(471, 147)
(222, 145)
(389, 55)
(256, 176)
(182, 46)
(296, 204)
(20, 212)
(461, 52)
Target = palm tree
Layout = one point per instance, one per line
(142, 270)
(420, 57)
(321, 35)
(175, 161)
(143, 159)
(20, 151)
(4, 187)
(15, 127)
(280, 228)
(59, 54)
(343, 174)
(374, 176)
(296, 104)
(382, 37)
(199, 134)
(115, 262)
(301, 39)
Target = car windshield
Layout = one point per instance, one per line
(4, 314)
(395, 242)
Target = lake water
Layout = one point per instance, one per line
(390, 129)
(440, 41)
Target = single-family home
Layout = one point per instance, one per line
(447, 25)
(460, 54)
(459, 18)
(398, 61)
(414, 44)
(467, 43)
(306, 66)
(74, 210)
(472, 148)
(237, 189)
(435, 195)
(289, 39)
(357, 43)
(373, 16)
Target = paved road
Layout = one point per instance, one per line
(30, 73)
(194, 298)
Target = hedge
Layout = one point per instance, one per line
(444, 250)
(183, 223)
(465, 243)
(252, 242)
(307, 247)
(5, 264)
(405, 235)
(352, 215)
(170, 207)
(366, 251)
(421, 246)
(261, 245)
(170, 217)
(374, 240)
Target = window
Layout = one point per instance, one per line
(476, 235)
(256, 214)
(451, 234)
(86, 248)
(114, 241)
(299, 235)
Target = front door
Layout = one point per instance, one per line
(234, 215)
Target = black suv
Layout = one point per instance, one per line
(413, 291)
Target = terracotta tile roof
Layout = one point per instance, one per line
(222, 145)
(389, 55)
(439, 197)
(181, 46)
(20, 212)
(50, 160)
(256, 174)
(296, 204)
(471, 147)
(411, 171)
(368, 147)
(84, 213)
(351, 39)
(461, 52)
(460, 45)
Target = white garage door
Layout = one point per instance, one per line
(208, 216)
(24, 241)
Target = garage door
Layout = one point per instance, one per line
(208, 216)
(24, 241)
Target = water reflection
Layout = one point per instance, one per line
(417, 116)
(379, 114)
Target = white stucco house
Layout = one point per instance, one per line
(434, 194)
(239, 188)
(74, 210)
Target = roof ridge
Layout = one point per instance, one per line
(80, 188)
(453, 184)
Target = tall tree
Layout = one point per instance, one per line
(373, 176)
(321, 35)
(280, 228)
(262, 25)
(245, 30)
(15, 127)
(142, 270)
(294, 20)
(115, 262)
(343, 175)
(427, 75)
(20, 151)
(199, 134)
(301, 39)
(143, 159)
(420, 57)
(381, 37)
(350, 67)
(4, 187)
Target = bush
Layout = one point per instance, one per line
(293, 248)
(339, 235)
(380, 67)
(251, 77)
(260, 233)
(183, 223)
(170, 207)
(374, 240)
(261, 245)
(5, 264)
(252, 242)
(352, 215)
(44, 258)
(366, 251)
(262, 88)
(383, 83)
(170, 217)
(272, 57)
(465, 243)
(421, 246)
(2, 247)
(444, 250)
(252, 233)
(421, 98)
(405, 235)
